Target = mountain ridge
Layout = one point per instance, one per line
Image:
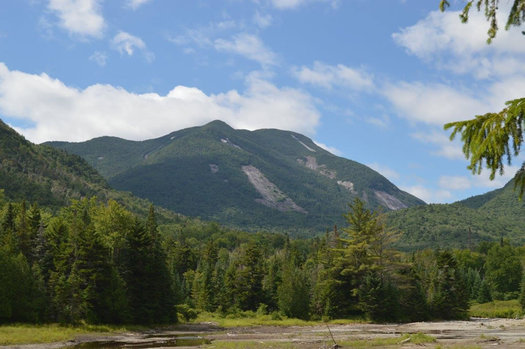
(495, 215)
(52, 178)
(210, 171)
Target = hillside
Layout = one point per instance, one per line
(42, 174)
(265, 179)
(491, 216)
(52, 177)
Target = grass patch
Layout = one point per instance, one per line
(414, 338)
(250, 318)
(417, 338)
(24, 333)
(497, 309)
(253, 345)
(458, 347)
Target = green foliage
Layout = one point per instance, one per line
(504, 271)
(492, 138)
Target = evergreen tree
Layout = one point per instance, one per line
(449, 298)
(244, 278)
(483, 295)
(150, 295)
(294, 290)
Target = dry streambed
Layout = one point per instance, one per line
(477, 333)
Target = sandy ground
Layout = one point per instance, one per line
(477, 333)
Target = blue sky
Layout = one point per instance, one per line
(371, 80)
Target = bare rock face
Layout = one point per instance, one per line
(304, 145)
(389, 201)
(272, 196)
(311, 163)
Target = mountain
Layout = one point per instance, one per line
(264, 179)
(52, 177)
(42, 174)
(488, 217)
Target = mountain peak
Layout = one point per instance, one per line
(218, 124)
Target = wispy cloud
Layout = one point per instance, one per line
(446, 148)
(99, 57)
(384, 170)
(293, 4)
(330, 76)
(126, 43)
(249, 46)
(427, 194)
(79, 17)
(262, 20)
(135, 4)
(332, 150)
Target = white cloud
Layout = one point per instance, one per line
(330, 76)
(332, 150)
(428, 195)
(434, 103)
(79, 17)
(249, 46)
(442, 39)
(61, 112)
(382, 121)
(99, 57)
(262, 21)
(446, 148)
(454, 182)
(458, 183)
(135, 4)
(384, 170)
(127, 43)
(293, 4)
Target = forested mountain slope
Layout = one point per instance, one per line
(265, 179)
(52, 177)
(491, 216)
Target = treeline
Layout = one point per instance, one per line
(102, 264)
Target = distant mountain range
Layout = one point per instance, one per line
(266, 179)
(492, 216)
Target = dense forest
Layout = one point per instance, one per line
(100, 263)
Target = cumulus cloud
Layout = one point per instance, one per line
(249, 46)
(330, 76)
(433, 103)
(135, 4)
(442, 39)
(79, 17)
(61, 112)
